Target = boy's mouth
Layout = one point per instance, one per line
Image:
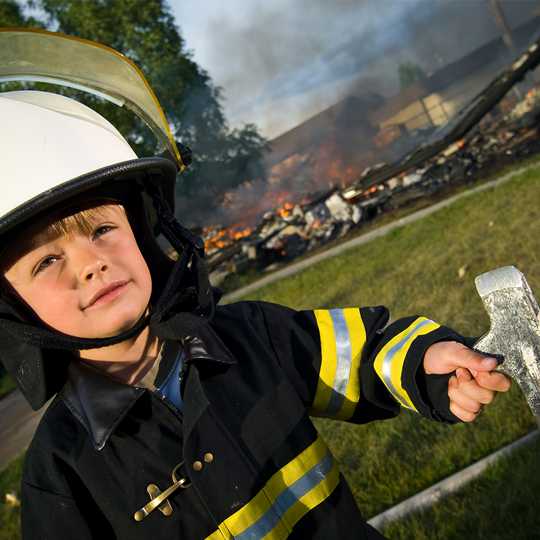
(106, 294)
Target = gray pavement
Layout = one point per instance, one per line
(18, 423)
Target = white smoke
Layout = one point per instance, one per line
(282, 61)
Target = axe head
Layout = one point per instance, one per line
(514, 332)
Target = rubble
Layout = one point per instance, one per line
(293, 229)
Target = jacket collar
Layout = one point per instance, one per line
(100, 402)
(205, 344)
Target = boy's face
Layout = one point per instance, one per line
(85, 285)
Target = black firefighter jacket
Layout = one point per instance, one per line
(247, 461)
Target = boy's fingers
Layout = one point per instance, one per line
(467, 358)
(461, 413)
(446, 356)
(467, 399)
(498, 382)
(467, 393)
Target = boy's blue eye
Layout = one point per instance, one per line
(46, 262)
(102, 230)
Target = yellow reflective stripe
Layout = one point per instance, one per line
(293, 491)
(328, 362)
(296, 468)
(316, 496)
(389, 362)
(249, 514)
(343, 337)
(357, 332)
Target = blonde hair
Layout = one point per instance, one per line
(79, 223)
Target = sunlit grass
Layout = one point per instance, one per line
(502, 505)
(10, 516)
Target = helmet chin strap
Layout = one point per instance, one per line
(184, 305)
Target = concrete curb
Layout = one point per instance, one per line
(427, 498)
(370, 236)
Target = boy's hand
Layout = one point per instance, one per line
(474, 385)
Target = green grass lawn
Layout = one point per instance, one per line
(6, 385)
(414, 270)
(10, 516)
(501, 505)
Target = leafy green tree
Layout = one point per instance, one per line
(11, 16)
(409, 73)
(147, 34)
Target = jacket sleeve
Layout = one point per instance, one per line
(348, 364)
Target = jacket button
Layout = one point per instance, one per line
(208, 458)
(197, 465)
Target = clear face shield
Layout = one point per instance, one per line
(42, 56)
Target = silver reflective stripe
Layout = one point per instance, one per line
(389, 357)
(287, 498)
(343, 362)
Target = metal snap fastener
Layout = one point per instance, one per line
(208, 457)
(197, 465)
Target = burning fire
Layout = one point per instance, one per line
(306, 174)
(285, 210)
(220, 238)
(240, 234)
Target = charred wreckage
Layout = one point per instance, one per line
(472, 145)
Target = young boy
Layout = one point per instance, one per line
(173, 419)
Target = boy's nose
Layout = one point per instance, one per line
(92, 269)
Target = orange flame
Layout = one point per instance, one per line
(224, 237)
(240, 234)
(286, 210)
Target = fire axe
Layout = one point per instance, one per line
(515, 329)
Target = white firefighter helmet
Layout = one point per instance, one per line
(47, 140)
(52, 147)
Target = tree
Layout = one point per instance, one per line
(146, 33)
(409, 73)
(11, 16)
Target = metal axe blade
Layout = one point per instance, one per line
(515, 331)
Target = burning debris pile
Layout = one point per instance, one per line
(294, 228)
(485, 150)
(283, 234)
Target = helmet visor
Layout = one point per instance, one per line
(42, 56)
